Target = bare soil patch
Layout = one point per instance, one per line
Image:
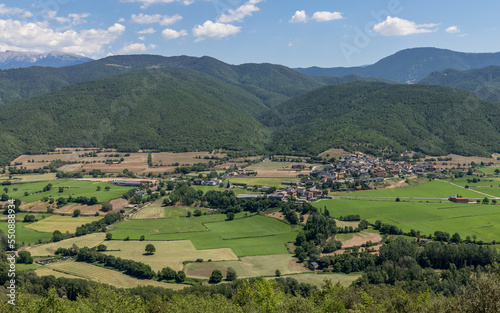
(361, 238)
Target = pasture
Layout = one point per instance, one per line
(24, 234)
(168, 253)
(256, 235)
(90, 240)
(74, 188)
(425, 216)
(250, 266)
(432, 189)
(95, 273)
(61, 223)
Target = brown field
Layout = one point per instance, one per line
(37, 206)
(251, 266)
(336, 153)
(458, 159)
(278, 169)
(344, 224)
(280, 216)
(84, 209)
(361, 238)
(168, 253)
(30, 177)
(95, 273)
(168, 158)
(90, 240)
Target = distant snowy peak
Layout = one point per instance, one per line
(15, 59)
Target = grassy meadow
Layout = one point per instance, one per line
(425, 216)
(74, 188)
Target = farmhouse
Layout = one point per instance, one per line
(458, 199)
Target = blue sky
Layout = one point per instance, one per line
(295, 33)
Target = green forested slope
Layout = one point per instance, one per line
(168, 109)
(483, 82)
(376, 117)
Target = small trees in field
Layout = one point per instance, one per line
(150, 248)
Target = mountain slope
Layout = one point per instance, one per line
(15, 59)
(376, 117)
(273, 84)
(166, 109)
(484, 82)
(412, 65)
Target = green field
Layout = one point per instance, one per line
(74, 188)
(432, 189)
(61, 223)
(425, 216)
(24, 234)
(256, 226)
(218, 233)
(237, 191)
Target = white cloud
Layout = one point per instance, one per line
(72, 19)
(4, 10)
(240, 13)
(142, 38)
(121, 20)
(147, 31)
(213, 30)
(155, 18)
(453, 30)
(136, 47)
(147, 3)
(324, 16)
(169, 34)
(299, 17)
(395, 26)
(20, 35)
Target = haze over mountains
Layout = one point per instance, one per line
(187, 104)
(16, 59)
(412, 65)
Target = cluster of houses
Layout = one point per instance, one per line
(238, 171)
(211, 182)
(301, 194)
(370, 169)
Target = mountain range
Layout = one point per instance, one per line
(17, 59)
(412, 65)
(187, 104)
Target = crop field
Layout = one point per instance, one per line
(319, 278)
(432, 189)
(263, 235)
(90, 240)
(24, 234)
(237, 191)
(99, 274)
(61, 223)
(168, 253)
(74, 188)
(189, 158)
(425, 216)
(250, 266)
(255, 226)
(149, 213)
(30, 177)
(276, 169)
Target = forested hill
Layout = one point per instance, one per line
(483, 82)
(412, 65)
(376, 116)
(271, 83)
(167, 109)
